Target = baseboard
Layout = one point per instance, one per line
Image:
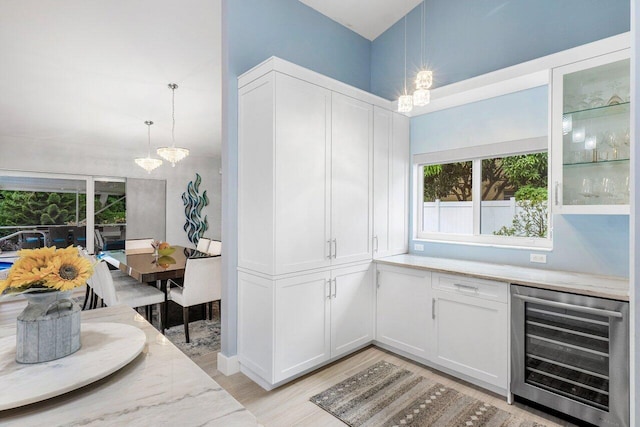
(228, 365)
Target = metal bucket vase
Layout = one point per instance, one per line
(48, 328)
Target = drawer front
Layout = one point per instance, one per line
(480, 288)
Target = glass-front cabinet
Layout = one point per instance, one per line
(590, 135)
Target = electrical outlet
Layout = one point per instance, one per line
(418, 247)
(539, 258)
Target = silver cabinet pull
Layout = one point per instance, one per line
(463, 287)
(375, 239)
(582, 309)
(378, 278)
(329, 243)
(335, 288)
(335, 248)
(556, 193)
(329, 285)
(433, 308)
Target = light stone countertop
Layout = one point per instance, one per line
(585, 284)
(162, 386)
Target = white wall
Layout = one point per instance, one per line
(43, 156)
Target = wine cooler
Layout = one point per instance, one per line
(571, 353)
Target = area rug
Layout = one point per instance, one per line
(386, 395)
(204, 337)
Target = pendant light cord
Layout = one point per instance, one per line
(405, 54)
(423, 34)
(173, 88)
(148, 123)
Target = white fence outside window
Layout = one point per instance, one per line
(457, 217)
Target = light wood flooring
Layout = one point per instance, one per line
(289, 405)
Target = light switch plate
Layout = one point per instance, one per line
(539, 258)
(418, 247)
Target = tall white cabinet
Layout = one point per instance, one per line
(307, 206)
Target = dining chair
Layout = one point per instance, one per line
(138, 246)
(202, 285)
(215, 248)
(126, 291)
(59, 237)
(203, 245)
(79, 236)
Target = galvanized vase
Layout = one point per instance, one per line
(48, 328)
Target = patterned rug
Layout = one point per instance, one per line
(386, 395)
(204, 337)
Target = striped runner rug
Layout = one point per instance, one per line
(386, 395)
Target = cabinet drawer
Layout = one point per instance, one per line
(480, 288)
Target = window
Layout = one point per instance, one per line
(498, 195)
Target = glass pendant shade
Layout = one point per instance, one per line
(405, 103)
(148, 163)
(421, 97)
(424, 79)
(172, 154)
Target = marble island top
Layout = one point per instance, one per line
(585, 284)
(161, 386)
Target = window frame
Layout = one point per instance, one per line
(476, 154)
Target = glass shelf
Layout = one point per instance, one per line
(606, 110)
(600, 162)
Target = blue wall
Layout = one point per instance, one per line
(254, 30)
(467, 38)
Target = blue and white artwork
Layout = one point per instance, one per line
(195, 226)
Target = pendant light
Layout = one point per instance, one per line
(148, 163)
(405, 102)
(424, 79)
(173, 154)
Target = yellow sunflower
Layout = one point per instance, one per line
(69, 270)
(28, 270)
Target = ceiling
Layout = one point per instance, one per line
(369, 18)
(90, 72)
(82, 74)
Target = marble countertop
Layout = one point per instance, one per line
(162, 386)
(585, 284)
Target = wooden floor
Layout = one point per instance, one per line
(289, 405)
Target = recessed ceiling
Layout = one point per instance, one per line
(369, 18)
(87, 73)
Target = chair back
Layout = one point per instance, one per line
(79, 236)
(99, 242)
(138, 246)
(202, 280)
(215, 248)
(104, 286)
(59, 237)
(203, 245)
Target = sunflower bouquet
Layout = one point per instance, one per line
(47, 270)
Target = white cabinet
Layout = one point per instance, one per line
(471, 327)
(390, 183)
(591, 141)
(289, 326)
(304, 176)
(403, 317)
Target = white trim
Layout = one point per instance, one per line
(228, 365)
(518, 77)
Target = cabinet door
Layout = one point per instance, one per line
(302, 334)
(399, 187)
(351, 169)
(351, 308)
(403, 314)
(382, 137)
(470, 336)
(591, 141)
(301, 175)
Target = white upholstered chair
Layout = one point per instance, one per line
(138, 246)
(203, 245)
(202, 285)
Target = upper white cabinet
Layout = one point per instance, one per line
(390, 183)
(591, 135)
(304, 176)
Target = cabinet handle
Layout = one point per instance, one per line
(329, 243)
(335, 248)
(376, 245)
(335, 288)
(329, 285)
(556, 193)
(462, 287)
(433, 308)
(378, 278)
